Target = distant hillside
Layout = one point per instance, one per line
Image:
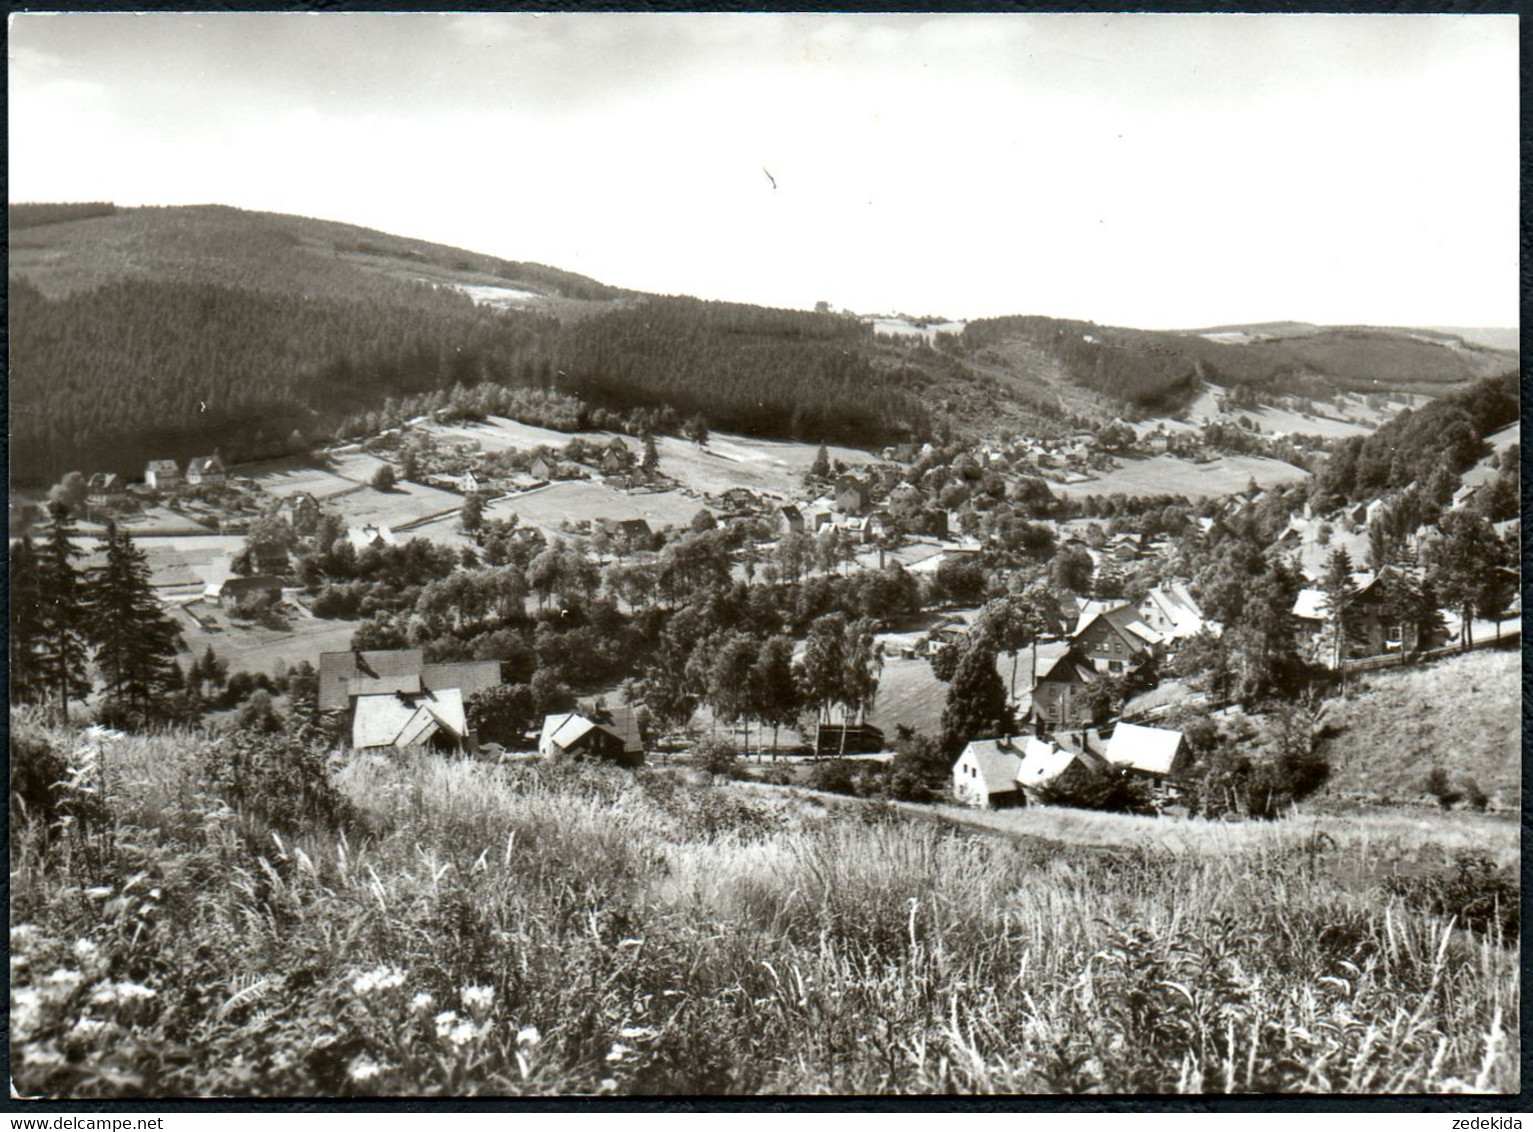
(1162, 370)
(139, 333)
(149, 332)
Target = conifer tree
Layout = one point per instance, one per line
(63, 653)
(135, 641)
(26, 623)
(651, 461)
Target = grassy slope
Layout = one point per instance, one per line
(1462, 714)
(638, 934)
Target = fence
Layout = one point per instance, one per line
(1398, 660)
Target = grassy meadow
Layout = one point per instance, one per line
(206, 917)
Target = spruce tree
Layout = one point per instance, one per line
(26, 623)
(63, 652)
(135, 640)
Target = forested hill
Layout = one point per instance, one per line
(143, 333)
(140, 333)
(1160, 370)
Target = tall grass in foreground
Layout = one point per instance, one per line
(470, 929)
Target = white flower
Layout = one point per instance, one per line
(380, 978)
(422, 1003)
(464, 1032)
(528, 1036)
(608, 1084)
(618, 1052)
(86, 952)
(636, 1032)
(364, 1068)
(477, 998)
(98, 893)
(630, 943)
(444, 1022)
(23, 934)
(87, 1027)
(61, 976)
(108, 993)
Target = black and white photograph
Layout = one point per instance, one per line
(763, 554)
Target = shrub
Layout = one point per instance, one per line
(715, 757)
(280, 779)
(1438, 785)
(835, 776)
(37, 769)
(1482, 896)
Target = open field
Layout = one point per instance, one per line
(1482, 473)
(1168, 475)
(598, 931)
(574, 500)
(773, 466)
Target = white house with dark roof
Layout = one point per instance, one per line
(206, 470)
(409, 718)
(160, 474)
(608, 733)
(985, 775)
(1172, 612)
(1049, 766)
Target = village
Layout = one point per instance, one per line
(955, 527)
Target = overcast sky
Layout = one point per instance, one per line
(1163, 170)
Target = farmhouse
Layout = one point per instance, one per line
(1062, 693)
(611, 733)
(790, 520)
(300, 510)
(269, 558)
(467, 483)
(1152, 752)
(344, 676)
(419, 718)
(541, 468)
(207, 470)
(1113, 640)
(1171, 611)
(852, 495)
(161, 474)
(1046, 766)
(243, 591)
(617, 457)
(985, 775)
(1385, 613)
(105, 487)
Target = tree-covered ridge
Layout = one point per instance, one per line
(1159, 369)
(36, 215)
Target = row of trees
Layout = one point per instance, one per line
(63, 619)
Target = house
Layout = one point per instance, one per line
(414, 718)
(738, 501)
(369, 537)
(1125, 548)
(881, 525)
(300, 510)
(105, 487)
(610, 733)
(245, 591)
(161, 474)
(1158, 441)
(1061, 692)
(1151, 752)
(206, 470)
(852, 495)
(617, 458)
(467, 483)
(790, 520)
(1385, 613)
(1117, 639)
(542, 468)
(1171, 611)
(1046, 766)
(343, 676)
(985, 775)
(906, 494)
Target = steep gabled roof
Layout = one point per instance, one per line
(394, 720)
(1043, 762)
(1071, 668)
(1124, 620)
(997, 762)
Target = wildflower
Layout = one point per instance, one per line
(364, 1068)
(608, 1085)
(477, 998)
(23, 934)
(422, 1003)
(108, 993)
(86, 952)
(98, 893)
(528, 1036)
(626, 943)
(464, 1032)
(61, 976)
(618, 1052)
(444, 1022)
(381, 978)
(87, 1028)
(636, 1032)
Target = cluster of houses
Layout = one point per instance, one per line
(995, 773)
(201, 471)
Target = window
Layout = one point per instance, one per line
(1115, 666)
